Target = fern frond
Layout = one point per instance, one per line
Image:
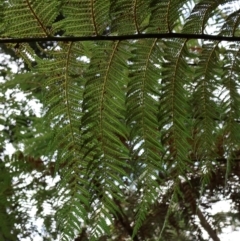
(147, 197)
(230, 104)
(174, 104)
(202, 11)
(206, 111)
(64, 86)
(123, 111)
(165, 15)
(81, 18)
(142, 104)
(231, 25)
(129, 16)
(29, 18)
(105, 133)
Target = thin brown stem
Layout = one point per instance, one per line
(122, 37)
(123, 219)
(207, 226)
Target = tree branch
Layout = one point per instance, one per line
(122, 218)
(190, 199)
(121, 37)
(206, 225)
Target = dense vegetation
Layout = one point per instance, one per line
(128, 123)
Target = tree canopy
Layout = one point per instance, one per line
(128, 125)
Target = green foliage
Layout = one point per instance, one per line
(134, 129)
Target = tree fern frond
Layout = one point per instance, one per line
(64, 85)
(2, 9)
(75, 198)
(231, 25)
(126, 17)
(128, 122)
(106, 193)
(142, 99)
(230, 103)
(84, 18)
(206, 111)
(104, 130)
(27, 18)
(26, 52)
(165, 15)
(199, 16)
(174, 103)
(142, 103)
(148, 196)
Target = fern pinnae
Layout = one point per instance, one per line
(172, 200)
(84, 18)
(140, 13)
(142, 119)
(25, 17)
(172, 7)
(67, 93)
(94, 23)
(125, 17)
(164, 15)
(174, 103)
(230, 105)
(157, 21)
(231, 24)
(206, 111)
(36, 17)
(125, 113)
(106, 110)
(108, 116)
(196, 22)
